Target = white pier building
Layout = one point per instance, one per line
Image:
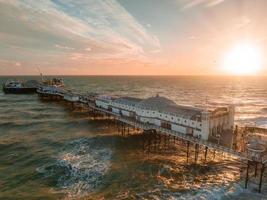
(163, 112)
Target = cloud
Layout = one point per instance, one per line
(243, 22)
(88, 49)
(214, 3)
(187, 4)
(155, 51)
(63, 47)
(18, 64)
(55, 29)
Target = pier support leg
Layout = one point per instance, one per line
(206, 152)
(256, 169)
(247, 175)
(196, 152)
(149, 142)
(118, 127)
(155, 135)
(261, 175)
(187, 153)
(144, 138)
(165, 142)
(158, 141)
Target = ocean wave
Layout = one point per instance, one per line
(20, 124)
(215, 193)
(79, 168)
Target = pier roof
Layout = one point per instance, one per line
(166, 105)
(156, 102)
(128, 100)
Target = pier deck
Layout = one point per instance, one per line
(76, 98)
(146, 126)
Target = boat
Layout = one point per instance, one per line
(57, 82)
(18, 87)
(46, 81)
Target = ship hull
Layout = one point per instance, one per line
(24, 90)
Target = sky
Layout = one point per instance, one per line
(127, 37)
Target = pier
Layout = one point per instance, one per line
(126, 120)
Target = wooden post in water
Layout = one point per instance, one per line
(123, 127)
(256, 169)
(261, 176)
(165, 142)
(206, 152)
(149, 141)
(155, 140)
(118, 125)
(196, 152)
(187, 153)
(247, 175)
(144, 140)
(158, 140)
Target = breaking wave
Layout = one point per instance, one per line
(215, 193)
(80, 168)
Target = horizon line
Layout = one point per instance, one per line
(135, 75)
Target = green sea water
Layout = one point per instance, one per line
(50, 151)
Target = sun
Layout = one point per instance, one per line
(243, 59)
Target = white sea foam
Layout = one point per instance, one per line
(81, 167)
(214, 193)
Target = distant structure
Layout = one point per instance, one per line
(160, 119)
(163, 112)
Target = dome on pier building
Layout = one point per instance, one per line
(130, 101)
(165, 105)
(156, 103)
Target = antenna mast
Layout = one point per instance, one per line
(40, 73)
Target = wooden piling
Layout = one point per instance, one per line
(247, 175)
(256, 169)
(187, 153)
(261, 176)
(165, 141)
(206, 152)
(196, 152)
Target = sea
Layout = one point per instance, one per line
(51, 151)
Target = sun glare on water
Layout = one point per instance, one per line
(243, 59)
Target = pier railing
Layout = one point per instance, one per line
(185, 137)
(89, 102)
(145, 126)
